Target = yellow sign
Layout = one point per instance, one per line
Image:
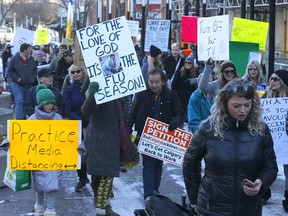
(252, 31)
(42, 36)
(44, 144)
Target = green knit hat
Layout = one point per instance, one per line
(44, 95)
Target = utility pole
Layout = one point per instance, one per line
(252, 9)
(271, 37)
(143, 28)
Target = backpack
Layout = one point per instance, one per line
(159, 205)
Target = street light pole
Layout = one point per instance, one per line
(143, 28)
(271, 37)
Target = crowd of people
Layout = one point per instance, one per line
(221, 109)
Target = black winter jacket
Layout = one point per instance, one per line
(143, 107)
(227, 162)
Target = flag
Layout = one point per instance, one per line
(69, 20)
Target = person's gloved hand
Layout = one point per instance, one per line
(209, 62)
(172, 125)
(192, 81)
(93, 88)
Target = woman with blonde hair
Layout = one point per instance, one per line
(254, 73)
(226, 74)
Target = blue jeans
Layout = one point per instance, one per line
(19, 93)
(152, 171)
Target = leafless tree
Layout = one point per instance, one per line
(5, 8)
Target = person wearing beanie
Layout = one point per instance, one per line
(153, 60)
(185, 82)
(43, 180)
(227, 73)
(39, 58)
(173, 63)
(278, 87)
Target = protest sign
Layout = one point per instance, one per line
(78, 57)
(275, 111)
(133, 27)
(42, 36)
(21, 36)
(213, 38)
(157, 34)
(110, 59)
(189, 29)
(252, 31)
(158, 142)
(44, 144)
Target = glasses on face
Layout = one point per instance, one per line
(77, 71)
(274, 79)
(252, 68)
(229, 71)
(188, 63)
(242, 88)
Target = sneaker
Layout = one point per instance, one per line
(80, 186)
(123, 169)
(109, 211)
(50, 213)
(39, 210)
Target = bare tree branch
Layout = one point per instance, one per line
(5, 8)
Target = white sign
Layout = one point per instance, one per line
(158, 142)
(213, 38)
(255, 56)
(134, 27)
(157, 34)
(275, 111)
(22, 35)
(110, 59)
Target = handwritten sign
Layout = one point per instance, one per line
(250, 31)
(275, 111)
(42, 36)
(44, 144)
(21, 36)
(106, 40)
(158, 142)
(213, 38)
(157, 34)
(189, 29)
(133, 27)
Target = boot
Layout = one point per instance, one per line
(285, 201)
(109, 211)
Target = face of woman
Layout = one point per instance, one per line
(77, 75)
(229, 73)
(239, 107)
(188, 65)
(253, 71)
(275, 82)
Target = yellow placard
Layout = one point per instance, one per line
(252, 31)
(42, 36)
(44, 144)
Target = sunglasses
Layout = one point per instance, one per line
(188, 63)
(274, 79)
(228, 71)
(77, 71)
(242, 88)
(252, 68)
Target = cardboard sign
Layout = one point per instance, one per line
(21, 36)
(78, 57)
(213, 38)
(102, 44)
(252, 31)
(42, 36)
(158, 142)
(157, 34)
(44, 144)
(275, 111)
(133, 27)
(189, 29)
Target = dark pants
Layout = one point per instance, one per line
(82, 173)
(152, 171)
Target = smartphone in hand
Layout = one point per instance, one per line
(248, 183)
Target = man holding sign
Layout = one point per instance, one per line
(160, 103)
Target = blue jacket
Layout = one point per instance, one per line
(198, 109)
(73, 100)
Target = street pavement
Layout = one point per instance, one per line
(128, 195)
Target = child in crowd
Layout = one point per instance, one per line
(45, 182)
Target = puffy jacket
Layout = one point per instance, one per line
(227, 162)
